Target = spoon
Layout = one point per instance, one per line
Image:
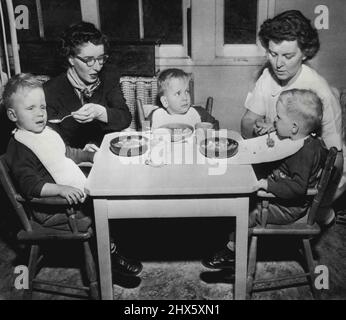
(270, 141)
(59, 120)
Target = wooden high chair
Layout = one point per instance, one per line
(305, 229)
(35, 236)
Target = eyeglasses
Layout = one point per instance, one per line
(90, 61)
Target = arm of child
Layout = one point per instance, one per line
(262, 184)
(79, 155)
(71, 194)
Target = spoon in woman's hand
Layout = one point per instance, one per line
(59, 120)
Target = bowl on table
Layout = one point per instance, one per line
(218, 147)
(129, 145)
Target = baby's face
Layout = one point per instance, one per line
(177, 98)
(29, 109)
(283, 123)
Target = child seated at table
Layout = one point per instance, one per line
(174, 96)
(41, 164)
(299, 114)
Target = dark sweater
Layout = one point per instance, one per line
(298, 172)
(61, 100)
(28, 172)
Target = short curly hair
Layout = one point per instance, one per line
(291, 25)
(78, 34)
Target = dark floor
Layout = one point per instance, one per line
(171, 250)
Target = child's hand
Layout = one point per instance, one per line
(262, 184)
(91, 147)
(71, 194)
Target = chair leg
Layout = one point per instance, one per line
(32, 267)
(251, 267)
(91, 271)
(311, 267)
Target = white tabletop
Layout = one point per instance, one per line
(114, 175)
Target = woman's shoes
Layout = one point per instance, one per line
(223, 259)
(125, 266)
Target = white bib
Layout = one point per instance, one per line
(50, 149)
(161, 117)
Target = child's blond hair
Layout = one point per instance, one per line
(168, 74)
(19, 82)
(305, 106)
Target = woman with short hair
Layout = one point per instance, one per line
(85, 90)
(93, 98)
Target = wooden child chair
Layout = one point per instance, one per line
(35, 235)
(305, 229)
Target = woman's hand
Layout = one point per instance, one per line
(71, 194)
(262, 127)
(90, 112)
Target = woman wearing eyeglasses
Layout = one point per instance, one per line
(94, 99)
(90, 94)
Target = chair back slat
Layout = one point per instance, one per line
(326, 178)
(12, 194)
(141, 115)
(209, 105)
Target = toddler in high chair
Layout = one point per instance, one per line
(299, 115)
(37, 157)
(43, 166)
(174, 96)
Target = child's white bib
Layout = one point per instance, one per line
(50, 149)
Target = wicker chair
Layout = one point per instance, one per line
(143, 88)
(141, 91)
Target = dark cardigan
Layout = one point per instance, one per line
(299, 171)
(61, 100)
(29, 174)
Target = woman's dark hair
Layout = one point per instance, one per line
(291, 25)
(78, 34)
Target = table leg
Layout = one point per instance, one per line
(241, 249)
(103, 248)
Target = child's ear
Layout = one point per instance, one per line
(295, 128)
(164, 102)
(11, 114)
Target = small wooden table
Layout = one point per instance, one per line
(123, 190)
